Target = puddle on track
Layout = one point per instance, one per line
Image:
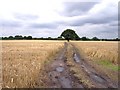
(60, 69)
(65, 82)
(76, 58)
(97, 78)
(59, 75)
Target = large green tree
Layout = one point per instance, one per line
(70, 34)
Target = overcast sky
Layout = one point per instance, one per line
(48, 18)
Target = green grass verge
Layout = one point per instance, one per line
(108, 64)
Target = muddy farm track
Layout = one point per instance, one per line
(59, 75)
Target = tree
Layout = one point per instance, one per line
(25, 37)
(18, 37)
(95, 39)
(59, 38)
(11, 37)
(29, 37)
(83, 38)
(70, 34)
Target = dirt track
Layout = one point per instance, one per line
(59, 75)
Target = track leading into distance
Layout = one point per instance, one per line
(60, 76)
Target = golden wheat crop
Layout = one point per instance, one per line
(100, 50)
(22, 61)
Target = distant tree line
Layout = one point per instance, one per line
(17, 37)
(97, 39)
(20, 37)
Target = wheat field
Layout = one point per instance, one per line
(99, 50)
(22, 61)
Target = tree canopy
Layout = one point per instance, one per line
(70, 34)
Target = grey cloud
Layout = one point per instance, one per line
(107, 33)
(98, 18)
(76, 8)
(100, 31)
(9, 24)
(43, 25)
(26, 17)
(106, 15)
(93, 20)
(114, 23)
